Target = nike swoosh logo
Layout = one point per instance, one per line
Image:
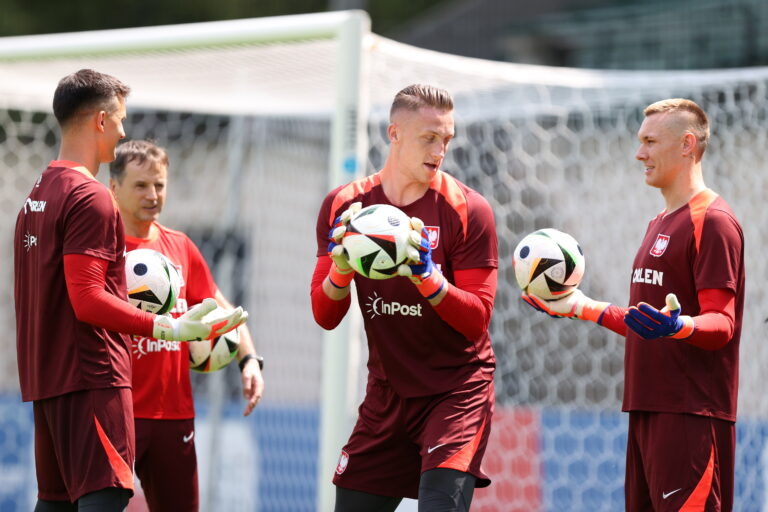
(665, 495)
(188, 438)
(430, 450)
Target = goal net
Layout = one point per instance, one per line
(262, 117)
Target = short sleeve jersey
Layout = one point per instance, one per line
(67, 212)
(410, 346)
(161, 384)
(698, 246)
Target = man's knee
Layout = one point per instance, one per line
(111, 499)
(55, 506)
(445, 490)
(348, 500)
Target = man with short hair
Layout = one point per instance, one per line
(681, 372)
(70, 298)
(424, 424)
(166, 463)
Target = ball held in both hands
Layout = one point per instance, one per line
(375, 241)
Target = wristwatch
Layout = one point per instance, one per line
(247, 358)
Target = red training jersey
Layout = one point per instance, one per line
(67, 212)
(410, 346)
(161, 385)
(696, 247)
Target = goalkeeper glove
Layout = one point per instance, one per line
(205, 321)
(419, 267)
(650, 323)
(341, 273)
(573, 305)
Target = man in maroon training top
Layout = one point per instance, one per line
(424, 424)
(71, 303)
(681, 372)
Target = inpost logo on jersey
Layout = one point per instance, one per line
(377, 306)
(143, 346)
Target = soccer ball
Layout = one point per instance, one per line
(376, 240)
(548, 263)
(212, 355)
(153, 281)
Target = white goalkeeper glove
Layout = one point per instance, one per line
(574, 305)
(204, 321)
(419, 267)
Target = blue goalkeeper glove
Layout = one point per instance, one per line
(341, 273)
(419, 267)
(650, 323)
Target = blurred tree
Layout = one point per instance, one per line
(21, 17)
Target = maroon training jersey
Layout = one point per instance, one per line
(67, 212)
(161, 385)
(698, 246)
(409, 344)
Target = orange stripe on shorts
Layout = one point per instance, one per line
(122, 470)
(461, 460)
(697, 501)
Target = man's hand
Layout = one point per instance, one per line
(253, 385)
(419, 267)
(650, 323)
(202, 322)
(573, 305)
(343, 273)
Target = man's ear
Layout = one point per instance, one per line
(689, 144)
(112, 185)
(100, 118)
(392, 133)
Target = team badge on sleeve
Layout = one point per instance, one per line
(662, 241)
(343, 461)
(434, 236)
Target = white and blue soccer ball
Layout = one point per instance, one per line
(211, 355)
(376, 240)
(548, 264)
(152, 280)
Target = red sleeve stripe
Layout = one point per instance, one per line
(698, 206)
(351, 190)
(445, 185)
